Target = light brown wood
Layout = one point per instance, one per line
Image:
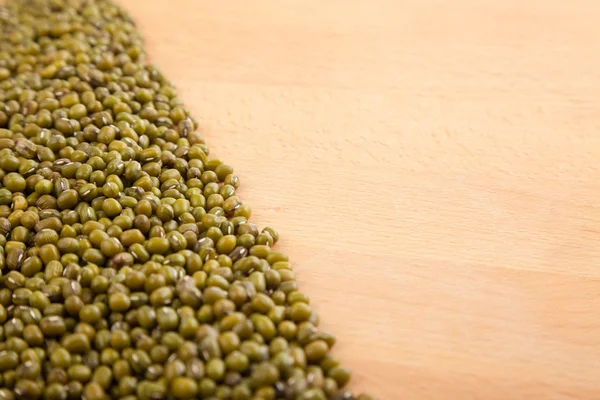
(433, 168)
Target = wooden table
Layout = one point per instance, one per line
(433, 168)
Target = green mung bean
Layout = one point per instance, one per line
(128, 265)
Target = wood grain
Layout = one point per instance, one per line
(432, 167)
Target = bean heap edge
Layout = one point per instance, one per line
(129, 266)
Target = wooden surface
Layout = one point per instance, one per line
(433, 168)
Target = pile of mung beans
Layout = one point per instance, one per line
(129, 266)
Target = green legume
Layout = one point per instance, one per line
(130, 268)
(184, 388)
